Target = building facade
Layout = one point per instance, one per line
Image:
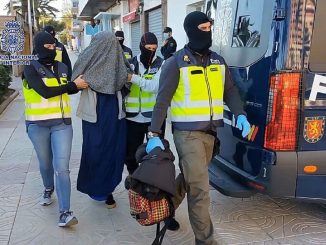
(136, 17)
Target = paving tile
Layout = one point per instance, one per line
(5, 136)
(309, 239)
(17, 153)
(10, 190)
(9, 204)
(239, 232)
(37, 225)
(14, 111)
(8, 124)
(267, 207)
(291, 225)
(6, 223)
(12, 173)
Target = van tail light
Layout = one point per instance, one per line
(283, 112)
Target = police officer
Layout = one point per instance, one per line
(169, 45)
(48, 122)
(121, 37)
(61, 52)
(196, 82)
(141, 99)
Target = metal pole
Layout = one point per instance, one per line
(34, 17)
(11, 4)
(30, 24)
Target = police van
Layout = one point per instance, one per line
(276, 51)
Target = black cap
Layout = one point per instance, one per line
(167, 29)
(119, 34)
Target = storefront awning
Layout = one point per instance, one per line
(93, 7)
(129, 17)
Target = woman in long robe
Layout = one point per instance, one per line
(104, 129)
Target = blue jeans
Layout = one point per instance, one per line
(53, 149)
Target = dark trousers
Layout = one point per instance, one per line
(136, 133)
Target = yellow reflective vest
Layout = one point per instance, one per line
(139, 101)
(199, 95)
(59, 50)
(38, 108)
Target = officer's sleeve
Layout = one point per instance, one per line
(147, 85)
(163, 50)
(130, 52)
(171, 47)
(231, 95)
(35, 82)
(168, 83)
(66, 61)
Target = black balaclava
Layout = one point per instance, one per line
(120, 34)
(50, 29)
(146, 56)
(46, 56)
(199, 41)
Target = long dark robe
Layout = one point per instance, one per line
(103, 151)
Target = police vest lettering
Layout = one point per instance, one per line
(38, 108)
(199, 95)
(139, 101)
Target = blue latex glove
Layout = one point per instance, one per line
(243, 124)
(154, 142)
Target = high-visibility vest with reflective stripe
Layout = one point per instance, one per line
(59, 49)
(127, 55)
(199, 95)
(38, 108)
(139, 101)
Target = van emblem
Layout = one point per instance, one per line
(313, 129)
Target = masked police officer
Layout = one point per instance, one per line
(121, 38)
(141, 99)
(61, 52)
(195, 81)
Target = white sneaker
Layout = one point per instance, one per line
(47, 197)
(67, 219)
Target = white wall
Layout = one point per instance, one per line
(148, 4)
(177, 11)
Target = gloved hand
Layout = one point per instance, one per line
(243, 124)
(154, 142)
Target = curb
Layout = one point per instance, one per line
(5, 103)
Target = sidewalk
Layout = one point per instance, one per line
(257, 220)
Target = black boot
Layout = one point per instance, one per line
(172, 224)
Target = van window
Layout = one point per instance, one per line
(317, 60)
(241, 29)
(247, 24)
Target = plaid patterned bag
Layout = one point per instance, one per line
(148, 212)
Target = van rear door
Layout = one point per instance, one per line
(241, 34)
(312, 139)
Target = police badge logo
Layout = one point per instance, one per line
(186, 58)
(12, 39)
(313, 129)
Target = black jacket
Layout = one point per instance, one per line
(156, 168)
(169, 48)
